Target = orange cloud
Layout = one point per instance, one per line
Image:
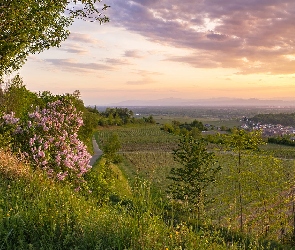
(219, 35)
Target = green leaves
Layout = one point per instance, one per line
(242, 140)
(197, 173)
(30, 26)
(111, 148)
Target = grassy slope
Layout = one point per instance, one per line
(39, 213)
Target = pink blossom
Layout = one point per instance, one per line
(51, 139)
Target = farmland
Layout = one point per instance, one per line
(139, 138)
(122, 201)
(266, 180)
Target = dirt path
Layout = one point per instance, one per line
(97, 152)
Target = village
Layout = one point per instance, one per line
(269, 130)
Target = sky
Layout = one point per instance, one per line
(190, 49)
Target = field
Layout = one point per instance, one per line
(280, 151)
(146, 150)
(124, 204)
(139, 138)
(265, 180)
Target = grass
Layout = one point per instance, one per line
(39, 213)
(218, 122)
(280, 151)
(139, 138)
(154, 165)
(124, 205)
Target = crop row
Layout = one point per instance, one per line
(147, 138)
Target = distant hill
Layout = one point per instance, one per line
(252, 102)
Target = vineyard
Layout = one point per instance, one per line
(146, 150)
(144, 138)
(279, 151)
(265, 181)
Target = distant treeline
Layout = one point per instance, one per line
(283, 119)
(283, 140)
(193, 129)
(119, 117)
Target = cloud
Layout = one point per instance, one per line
(133, 54)
(79, 43)
(69, 64)
(117, 62)
(252, 36)
(73, 65)
(75, 49)
(82, 38)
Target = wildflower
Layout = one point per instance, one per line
(41, 154)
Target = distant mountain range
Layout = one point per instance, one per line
(205, 102)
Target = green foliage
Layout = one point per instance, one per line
(283, 140)
(17, 98)
(90, 121)
(29, 26)
(100, 183)
(193, 129)
(240, 140)
(281, 118)
(197, 173)
(263, 183)
(39, 213)
(6, 132)
(279, 151)
(116, 116)
(168, 128)
(111, 148)
(149, 119)
(264, 187)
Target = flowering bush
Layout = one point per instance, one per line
(48, 139)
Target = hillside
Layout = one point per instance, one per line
(138, 194)
(39, 213)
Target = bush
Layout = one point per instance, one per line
(48, 139)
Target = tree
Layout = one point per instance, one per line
(149, 119)
(196, 133)
(31, 26)
(240, 141)
(197, 172)
(111, 148)
(264, 183)
(16, 98)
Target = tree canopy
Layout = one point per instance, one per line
(31, 26)
(197, 172)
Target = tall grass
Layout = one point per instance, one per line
(40, 213)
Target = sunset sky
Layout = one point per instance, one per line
(153, 49)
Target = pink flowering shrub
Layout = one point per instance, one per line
(48, 139)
